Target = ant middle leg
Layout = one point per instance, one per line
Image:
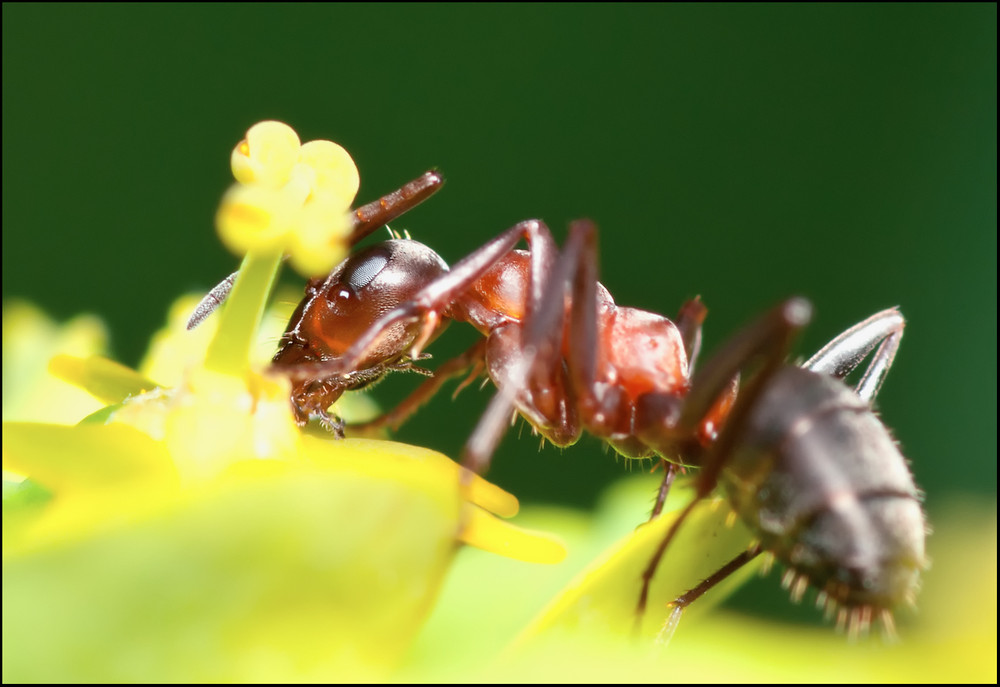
(689, 320)
(670, 471)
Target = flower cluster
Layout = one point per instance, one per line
(290, 198)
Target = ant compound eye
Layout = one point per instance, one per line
(364, 269)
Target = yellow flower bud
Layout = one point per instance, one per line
(267, 154)
(255, 218)
(336, 173)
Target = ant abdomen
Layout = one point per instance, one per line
(819, 479)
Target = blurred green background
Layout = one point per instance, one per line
(846, 153)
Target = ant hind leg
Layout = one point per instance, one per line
(766, 340)
(678, 605)
(846, 351)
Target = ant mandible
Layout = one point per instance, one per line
(803, 459)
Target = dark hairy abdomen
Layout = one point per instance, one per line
(824, 485)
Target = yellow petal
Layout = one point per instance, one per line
(434, 473)
(72, 459)
(104, 379)
(421, 467)
(484, 531)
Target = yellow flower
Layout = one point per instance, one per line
(290, 198)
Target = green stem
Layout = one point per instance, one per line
(229, 351)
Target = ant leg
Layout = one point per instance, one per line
(366, 219)
(575, 276)
(670, 472)
(456, 366)
(689, 319)
(690, 596)
(839, 357)
(768, 340)
(541, 341)
(333, 424)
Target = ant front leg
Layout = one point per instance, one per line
(472, 358)
(767, 342)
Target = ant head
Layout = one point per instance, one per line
(336, 311)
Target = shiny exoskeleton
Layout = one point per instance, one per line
(801, 456)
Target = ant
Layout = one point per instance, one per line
(801, 456)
